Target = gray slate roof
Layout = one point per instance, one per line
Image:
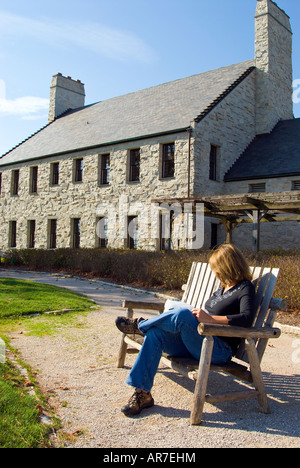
(273, 155)
(160, 109)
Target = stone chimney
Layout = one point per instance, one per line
(273, 54)
(65, 94)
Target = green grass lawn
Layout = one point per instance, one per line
(20, 426)
(20, 298)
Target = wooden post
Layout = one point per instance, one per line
(256, 231)
(229, 227)
(257, 376)
(201, 383)
(123, 346)
(256, 217)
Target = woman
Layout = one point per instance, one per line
(175, 331)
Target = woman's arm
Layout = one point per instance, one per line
(237, 310)
(203, 317)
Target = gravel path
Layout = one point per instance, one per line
(76, 369)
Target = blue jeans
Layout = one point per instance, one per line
(175, 333)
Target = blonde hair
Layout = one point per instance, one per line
(229, 265)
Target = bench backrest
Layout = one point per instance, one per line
(202, 283)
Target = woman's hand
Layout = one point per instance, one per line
(201, 316)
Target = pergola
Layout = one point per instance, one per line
(255, 208)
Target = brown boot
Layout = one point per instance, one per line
(129, 326)
(139, 400)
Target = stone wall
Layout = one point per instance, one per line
(231, 127)
(273, 53)
(87, 200)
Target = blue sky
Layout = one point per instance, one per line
(115, 47)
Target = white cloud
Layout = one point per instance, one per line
(95, 37)
(27, 107)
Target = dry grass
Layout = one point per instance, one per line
(167, 270)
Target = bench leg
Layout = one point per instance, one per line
(123, 346)
(201, 383)
(257, 376)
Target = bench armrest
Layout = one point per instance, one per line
(238, 332)
(143, 305)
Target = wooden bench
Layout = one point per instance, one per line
(245, 365)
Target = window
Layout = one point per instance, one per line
(31, 234)
(15, 182)
(0, 182)
(33, 179)
(104, 169)
(78, 169)
(134, 165)
(166, 226)
(12, 241)
(296, 185)
(101, 232)
(214, 162)
(259, 187)
(132, 237)
(54, 173)
(168, 160)
(76, 227)
(52, 230)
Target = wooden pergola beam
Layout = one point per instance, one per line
(236, 209)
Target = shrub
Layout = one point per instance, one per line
(168, 270)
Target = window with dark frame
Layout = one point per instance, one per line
(213, 162)
(134, 165)
(76, 227)
(55, 173)
(12, 234)
(78, 170)
(52, 233)
(33, 179)
(168, 160)
(31, 234)
(104, 169)
(15, 182)
(296, 185)
(0, 182)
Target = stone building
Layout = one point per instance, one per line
(89, 177)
